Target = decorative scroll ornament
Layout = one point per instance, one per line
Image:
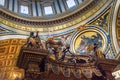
(97, 72)
(87, 73)
(55, 69)
(66, 71)
(82, 27)
(77, 73)
(47, 67)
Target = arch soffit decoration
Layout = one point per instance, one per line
(115, 26)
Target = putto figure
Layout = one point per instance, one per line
(38, 40)
(34, 41)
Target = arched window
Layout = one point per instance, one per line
(48, 10)
(24, 9)
(80, 1)
(2, 2)
(71, 3)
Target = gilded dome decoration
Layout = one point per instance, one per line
(60, 17)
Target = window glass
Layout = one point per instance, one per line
(24, 9)
(80, 1)
(48, 10)
(70, 3)
(2, 2)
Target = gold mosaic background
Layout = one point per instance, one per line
(9, 50)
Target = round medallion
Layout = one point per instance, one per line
(88, 37)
